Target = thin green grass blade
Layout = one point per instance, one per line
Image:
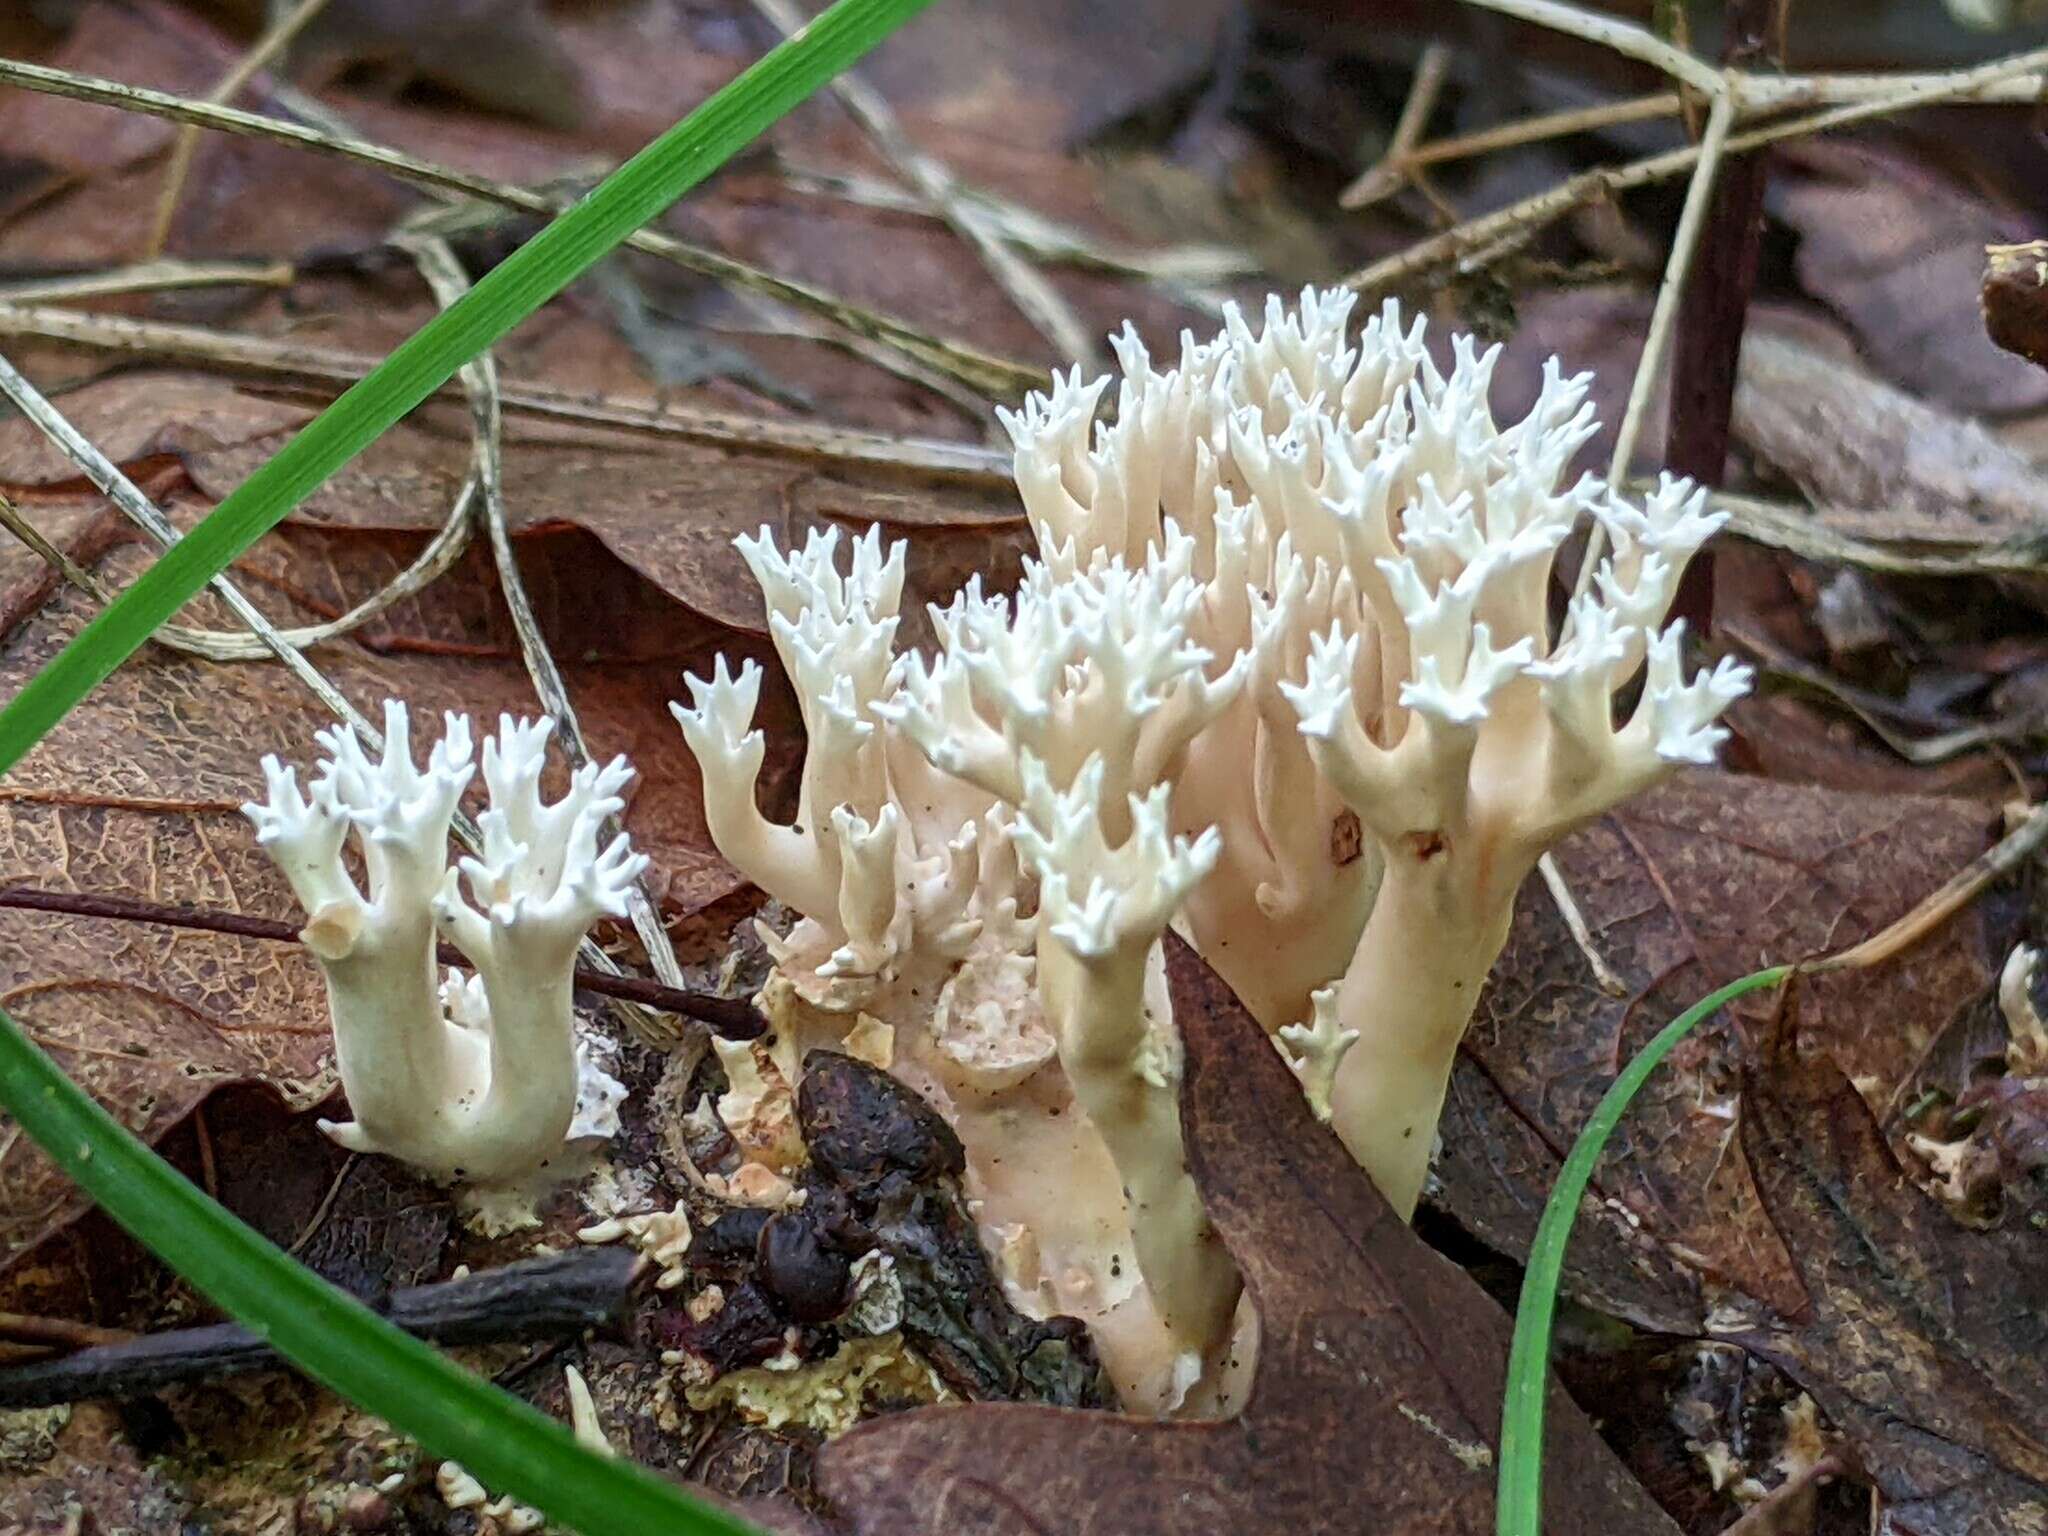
(1519, 1498)
(334, 1338)
(627, 199)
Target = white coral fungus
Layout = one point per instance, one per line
(1417, 732)
(479, 1080)
(1285, 666)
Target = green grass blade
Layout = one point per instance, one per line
(627, 199)
(507, 1445)
(1519, 1499)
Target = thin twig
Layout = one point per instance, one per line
(1493, 235)
(209, 1170)
(1396, 167)
(2010, 852)
(1706, 343)
(148, 277)
(321, 1211)
(28, 1327)
(1545, 126)
(1604, 975)
(440, 554)
(567, 1293)
(140, 510)
(1803, 530)
(967, 462)
(995, 376)
(479, 375)
(734, 1018)
(1684, 241)
(14, 522)
(1623, 37)
(267, 48)
(1026, 286)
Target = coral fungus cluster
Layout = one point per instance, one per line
(1286, 672)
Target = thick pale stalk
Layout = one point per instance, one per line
(1410, 992)
(1097, 1011)
(533, 1080)
(394, 1053)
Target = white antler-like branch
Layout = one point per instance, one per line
(483, 1080)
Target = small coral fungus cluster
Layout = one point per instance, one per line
(482, 1079)
(1284, 675)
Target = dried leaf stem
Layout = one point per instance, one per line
(1610, 32)
(148, 277)
(267, 48)
(997, 377)
(1490, 236)
(1035, 298)
(733, 1017)
(966, 462)
(440, 553)
(1398, 167)
(1962, 888)
(1684, 241)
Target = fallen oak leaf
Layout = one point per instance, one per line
(1698, 882)
(1375, 1397)
(1923, 1340)
(670, 511)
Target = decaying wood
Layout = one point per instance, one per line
(2016, 298)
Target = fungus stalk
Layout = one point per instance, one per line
(479, 1080)
(1103, 910)
(930, 928)
(1493, 743)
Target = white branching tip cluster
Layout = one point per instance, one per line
(1417, 732)
(1105, 901)
(884, 855)
(1315, 1051)
(482, 1079)
(1099, 661)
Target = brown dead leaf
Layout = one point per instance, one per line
(1896, 247)
(71, 139)
(1925, 1342)
(670, 512)
(1377, 1396)
(101, 170)
(134, 417)
(1049, 75)
(1880, 462)
(135, 793)
(1695, 884)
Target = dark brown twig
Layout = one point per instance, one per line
(1707, 339)
(732, 1018)
(536, 1299)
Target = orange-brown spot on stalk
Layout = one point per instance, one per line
(1424, 846)
(1347, 838)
